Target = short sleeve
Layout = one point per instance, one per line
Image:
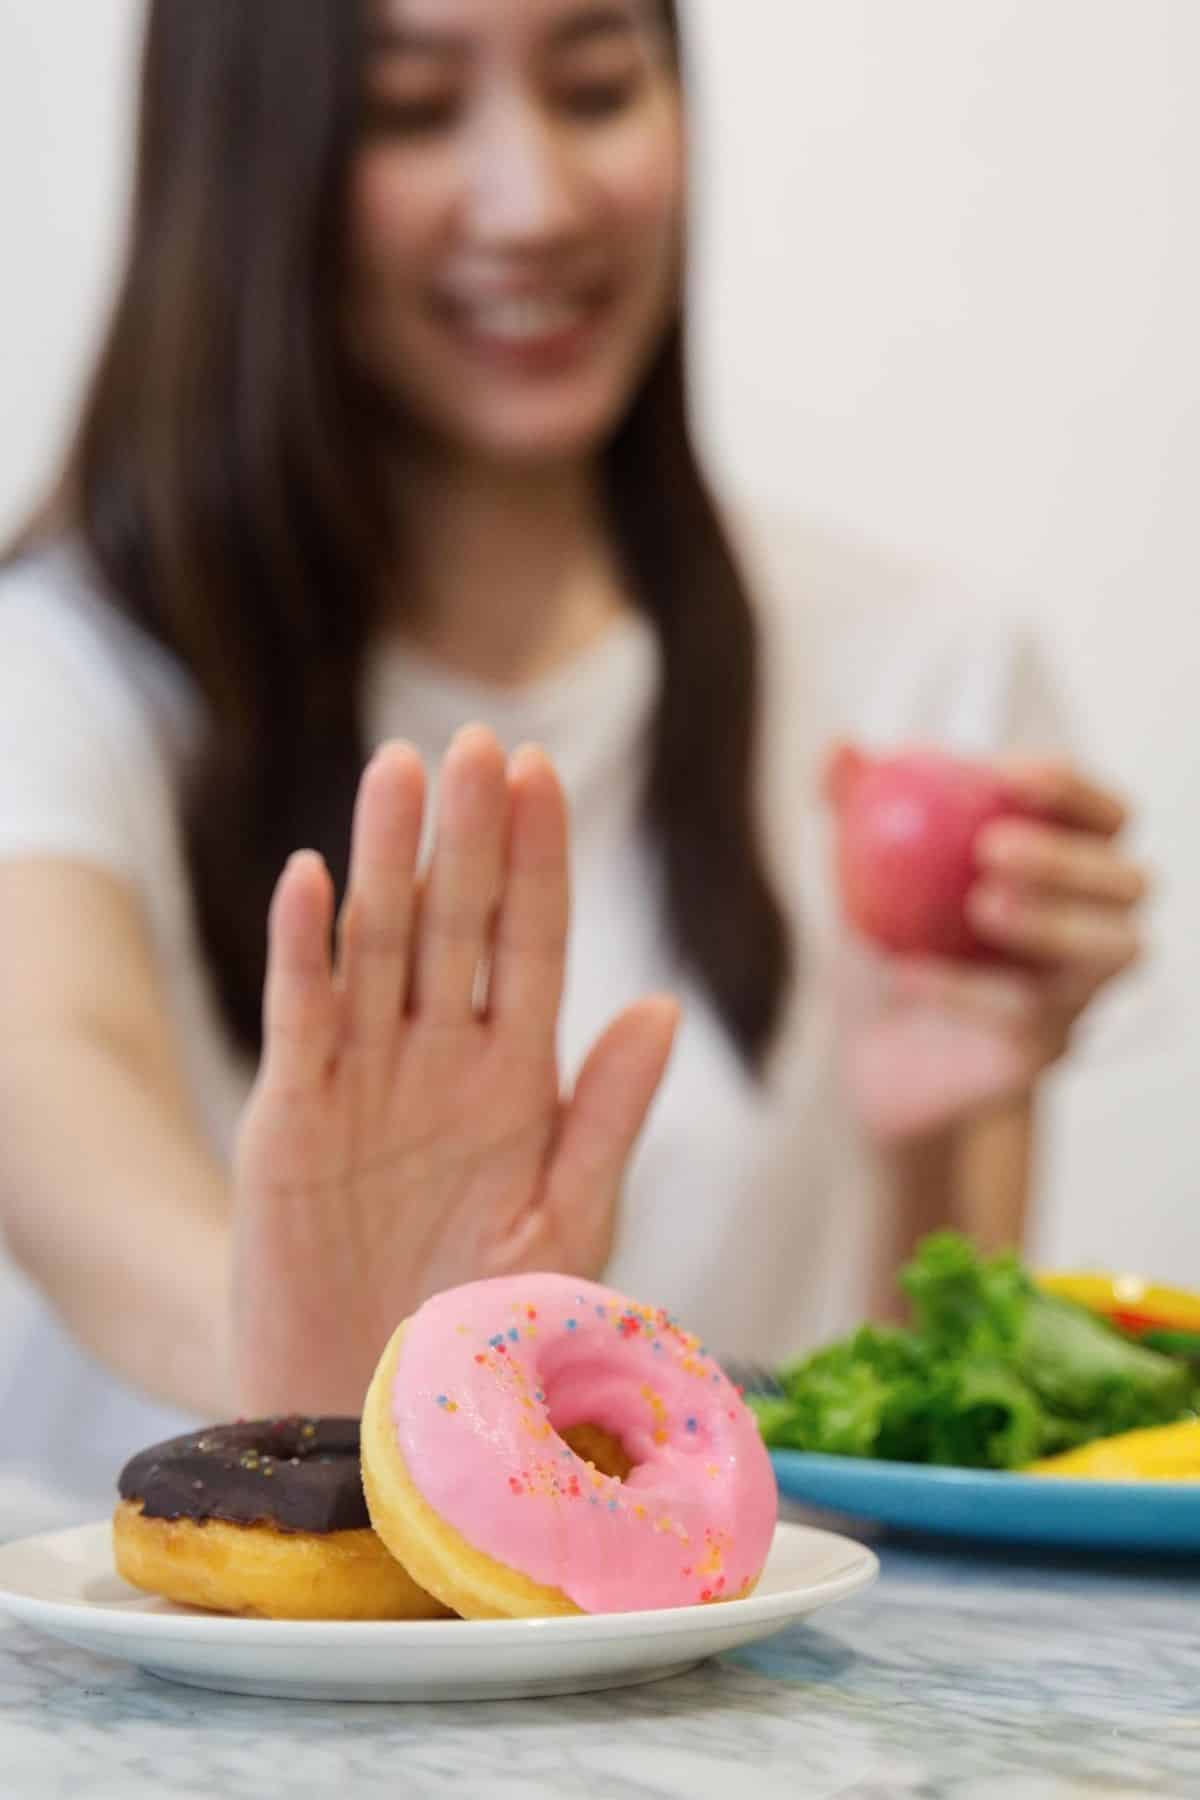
(73, 731)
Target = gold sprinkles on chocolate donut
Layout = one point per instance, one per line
(322, 1493)
(274, 1525)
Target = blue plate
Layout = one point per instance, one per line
(981, 1503)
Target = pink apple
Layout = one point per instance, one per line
(906, 830)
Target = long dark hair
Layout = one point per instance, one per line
(226, 484)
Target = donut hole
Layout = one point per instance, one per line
(601, 1448)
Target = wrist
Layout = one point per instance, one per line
(922, 1136)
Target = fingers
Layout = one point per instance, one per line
(1077, 863)
(462, 885)
(611, 1099)
(1056, 787)
(375, 932)
(299, 1006)
(1103, 940)
(530, 941)
(500, 859)
(1060, 895)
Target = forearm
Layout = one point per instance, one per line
(974, 1178)
(914, 1195)
(994, 1177)
(111, 1205)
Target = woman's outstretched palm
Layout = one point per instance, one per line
(402, 1137)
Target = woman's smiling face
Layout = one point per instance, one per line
(516, 217)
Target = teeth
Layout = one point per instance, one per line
(523, 321)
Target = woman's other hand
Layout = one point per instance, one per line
(401, 1138)
(933, 1043)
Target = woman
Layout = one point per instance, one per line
(388, 436)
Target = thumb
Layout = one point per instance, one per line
(612, 1096)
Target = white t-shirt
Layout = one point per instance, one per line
(747, 1206)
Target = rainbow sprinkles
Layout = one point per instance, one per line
(493, 1380)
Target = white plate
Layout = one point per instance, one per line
(64, 1583)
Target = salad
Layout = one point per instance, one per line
(995, 1373)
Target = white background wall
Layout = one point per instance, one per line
(949, 285)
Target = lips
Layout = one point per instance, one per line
(521, 320)
(535, 331)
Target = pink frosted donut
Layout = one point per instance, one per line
(473, 1485)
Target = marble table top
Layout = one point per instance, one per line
(965, 1674)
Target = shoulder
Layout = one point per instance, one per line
(67, 652)
(885, 649)
(94, 721)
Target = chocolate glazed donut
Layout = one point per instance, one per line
(223, 1472)
(263, 1517)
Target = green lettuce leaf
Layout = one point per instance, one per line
(993, 1374)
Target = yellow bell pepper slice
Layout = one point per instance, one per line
(1158, 1453)
(1129, 1300)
